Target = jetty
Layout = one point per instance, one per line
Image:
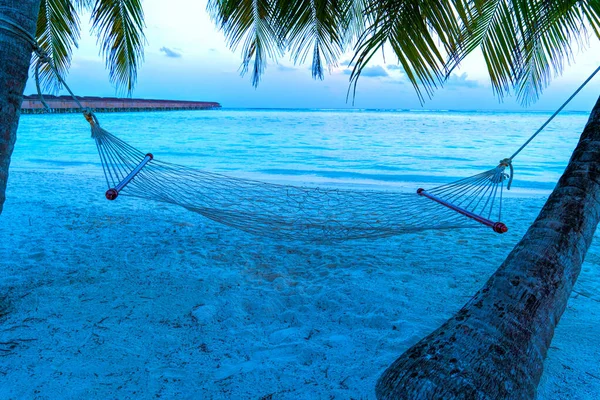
(66, 104)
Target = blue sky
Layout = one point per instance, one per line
(187, 58)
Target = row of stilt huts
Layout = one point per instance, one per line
(66, 104)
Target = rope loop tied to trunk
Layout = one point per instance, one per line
(507, 163)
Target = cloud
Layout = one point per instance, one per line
(456, 81)
(285, 68)
(376, 71)
(345, 63)
(170, 52)
(394, 67)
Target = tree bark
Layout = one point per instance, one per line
(494, 347)
(15, 56)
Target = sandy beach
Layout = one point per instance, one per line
(135, 300)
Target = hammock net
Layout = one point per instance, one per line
(293, 212)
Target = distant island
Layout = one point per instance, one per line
(66, 104)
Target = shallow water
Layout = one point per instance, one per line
(347, 147)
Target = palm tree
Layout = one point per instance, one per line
(55, 24)
(494, 347)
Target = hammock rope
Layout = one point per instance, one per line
(294, 212)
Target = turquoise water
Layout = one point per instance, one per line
(333, 147)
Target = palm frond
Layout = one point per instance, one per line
(119, 25)
(419, 32)
(321, 28)
(57, 33)
(355, 19)
(251, 22)
(591, 10)
(84, 5)
(525, 43)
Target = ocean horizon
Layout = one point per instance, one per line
(416, 110)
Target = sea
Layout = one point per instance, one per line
(379, 149)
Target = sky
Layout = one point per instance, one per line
(187, 58)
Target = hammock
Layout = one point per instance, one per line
(299, 213)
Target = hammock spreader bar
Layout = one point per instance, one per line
(113, 193)
(498, 227)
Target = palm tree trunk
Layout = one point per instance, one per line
(494, 347)
(15, 56)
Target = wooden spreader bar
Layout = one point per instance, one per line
(113, 193)
(498, 227)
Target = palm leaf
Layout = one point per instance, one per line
(57, 33)
(414, 30)
(251, 22)
(317, 28)
(84, 5)
(525, 43)
(355, 19)
(321, 28)
(119, 25)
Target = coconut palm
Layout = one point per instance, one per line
(55, 24)
(495, 346)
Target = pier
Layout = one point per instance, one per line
(65, 104)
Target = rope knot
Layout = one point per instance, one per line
(42, 55)
(90, 117)
(507, 163)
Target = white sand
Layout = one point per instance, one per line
(136, 300)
